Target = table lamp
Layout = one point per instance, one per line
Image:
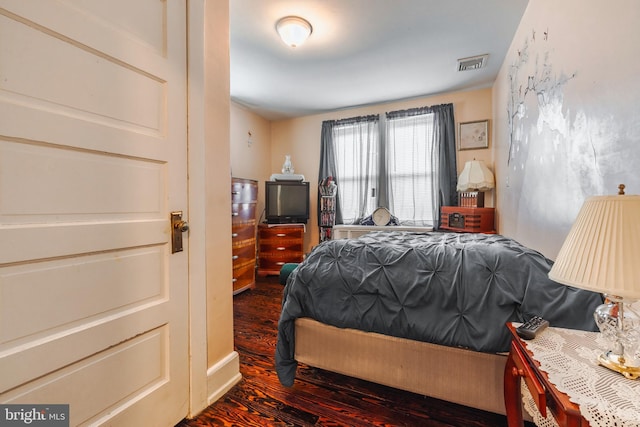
(602, 254)
(474, 180)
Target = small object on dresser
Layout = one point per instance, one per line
(287, 166)
(531, 328)
(467, 220)
(471, 199)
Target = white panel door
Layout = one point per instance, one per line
(93, 305)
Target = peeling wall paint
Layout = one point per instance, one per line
(567, 121)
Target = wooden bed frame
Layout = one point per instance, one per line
(456, 375)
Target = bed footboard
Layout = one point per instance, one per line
(456, 375)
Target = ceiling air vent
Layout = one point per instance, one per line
(472, 63)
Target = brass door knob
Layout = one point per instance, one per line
(181, 226)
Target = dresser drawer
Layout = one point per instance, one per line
(238, 244)
(277, 234)
(288, 256)
(244, 276)
(284, 246)
(244, 253)
(273, 265)
(240, 232)
(244, 191)
(243, 213)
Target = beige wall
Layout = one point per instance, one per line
(250, 149)
(566, 116)
(300, 137)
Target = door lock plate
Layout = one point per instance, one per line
(178, 226)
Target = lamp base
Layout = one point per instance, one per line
(617, 363)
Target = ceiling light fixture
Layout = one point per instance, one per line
(293, 30)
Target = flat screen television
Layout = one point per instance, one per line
(286, 202)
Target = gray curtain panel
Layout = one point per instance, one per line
(445, 134)
(360, 136)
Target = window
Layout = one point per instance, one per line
(411, 171)
(356, 143)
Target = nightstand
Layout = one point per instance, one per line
(521, 365)
(565, 381)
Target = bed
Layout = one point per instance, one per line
(423, 312)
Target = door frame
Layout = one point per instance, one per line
(208, 23)
(196, 172)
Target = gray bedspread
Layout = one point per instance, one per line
(445, 288)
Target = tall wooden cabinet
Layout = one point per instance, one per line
(244, 196)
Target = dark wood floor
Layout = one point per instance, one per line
(318, 398)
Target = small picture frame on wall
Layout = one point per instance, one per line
(473, 135)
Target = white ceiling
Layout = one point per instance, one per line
(363, 51)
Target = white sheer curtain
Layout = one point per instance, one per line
(356, 145)
(409, 166)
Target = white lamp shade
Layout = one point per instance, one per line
(293, 30)
(602, 251)
(475, 176)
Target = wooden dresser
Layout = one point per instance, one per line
(279, 244)
(244, 196)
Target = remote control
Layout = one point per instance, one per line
(532, 327)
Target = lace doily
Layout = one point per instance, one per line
(530, 406)
(569, 357)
